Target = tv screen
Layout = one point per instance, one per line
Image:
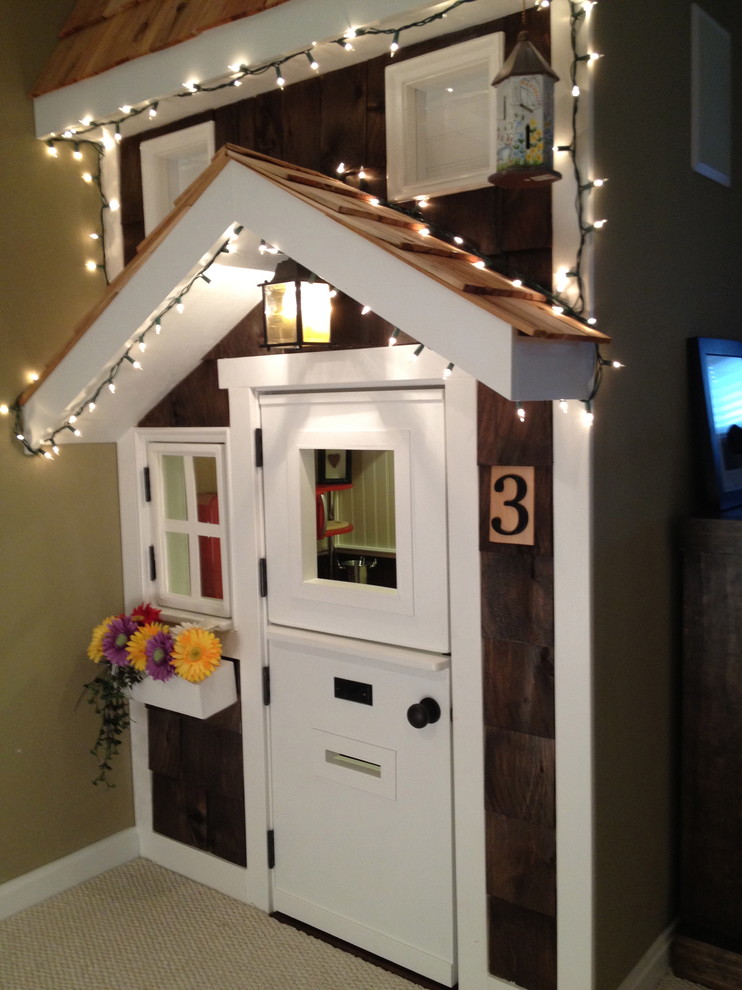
(716, 379)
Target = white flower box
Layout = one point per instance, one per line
(202, 700)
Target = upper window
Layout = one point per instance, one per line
(440, 119)
(170, 163)
(189, 527)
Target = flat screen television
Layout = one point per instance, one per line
(716, 384)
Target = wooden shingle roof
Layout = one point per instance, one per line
(100, 35)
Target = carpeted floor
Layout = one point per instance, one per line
(141, 927)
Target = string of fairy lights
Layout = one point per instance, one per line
(569, 282)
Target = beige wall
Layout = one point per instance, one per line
(667, 269)
(59, 535)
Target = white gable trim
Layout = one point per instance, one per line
(457, 329)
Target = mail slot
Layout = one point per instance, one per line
(356, 691)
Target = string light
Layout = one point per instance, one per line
(521, 413)
(394, 336)
(448, 370)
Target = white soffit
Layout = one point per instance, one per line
(473, 339)
(253, 41)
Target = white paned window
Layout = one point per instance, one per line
(189, 528)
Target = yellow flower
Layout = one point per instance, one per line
(138, 641)
(197, 653)
(95, 650)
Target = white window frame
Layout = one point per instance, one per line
(405, 123)
(138, 525)
(190, 527)
(158, 155)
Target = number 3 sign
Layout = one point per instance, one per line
(511, 505)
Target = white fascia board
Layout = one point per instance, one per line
(456, 329)
(210, 312)
(252, 41)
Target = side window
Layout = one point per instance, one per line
(189, 527)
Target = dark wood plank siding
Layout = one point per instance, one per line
(197, 780)
(518, 641)
(317, 124)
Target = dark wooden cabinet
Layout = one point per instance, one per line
(708, 944)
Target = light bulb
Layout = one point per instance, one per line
(111, 388)
(125, 109)
(91, 265)
(517, 282)
(393, 338)
(91, 406)
(557, 310)
(77, 154)
(458, 240)
(424, 231)
(575, 91)
(480, 264)
(153, 111)
(448, 369)
(158, 325)
(563, 405)
(365, 309)
(114, 205)
(94, 236)
(179, 306)
(72, 419)
(374, 201)
(521, 414)
(4, 409)
(51, 149)
(87, 177)
(341, 168)
(47, 455)
(417, 352)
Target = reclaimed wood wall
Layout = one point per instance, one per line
(318, 123)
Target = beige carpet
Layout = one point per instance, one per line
(141, 927)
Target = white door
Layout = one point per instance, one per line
(360, 699)
(362, 796)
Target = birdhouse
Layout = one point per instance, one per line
(525, 118)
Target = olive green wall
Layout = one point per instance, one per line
(59, 528)
(667, 268)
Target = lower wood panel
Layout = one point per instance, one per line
(700, 962)
(522, 945)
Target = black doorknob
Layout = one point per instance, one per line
(425, 711)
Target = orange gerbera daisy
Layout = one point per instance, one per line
(138, 641)
(196, 654)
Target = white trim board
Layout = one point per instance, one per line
(54, 878)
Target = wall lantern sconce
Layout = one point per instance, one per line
(296, 307)
(525, 118)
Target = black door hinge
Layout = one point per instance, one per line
(271, 843)
(147, 486)
(258, 448)
(152, 564)
(263, 577)
(266, 685)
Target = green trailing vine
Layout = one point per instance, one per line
(106, 692)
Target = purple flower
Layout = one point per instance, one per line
(115, 639)
(157, 650)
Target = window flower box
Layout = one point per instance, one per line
(212, 695)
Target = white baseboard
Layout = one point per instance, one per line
(653, 965)
(211, 871)
(36, 886)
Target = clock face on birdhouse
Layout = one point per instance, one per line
(525, 122)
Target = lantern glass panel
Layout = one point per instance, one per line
(280, 313)
(315, 312)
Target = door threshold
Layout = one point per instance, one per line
(354, 950)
